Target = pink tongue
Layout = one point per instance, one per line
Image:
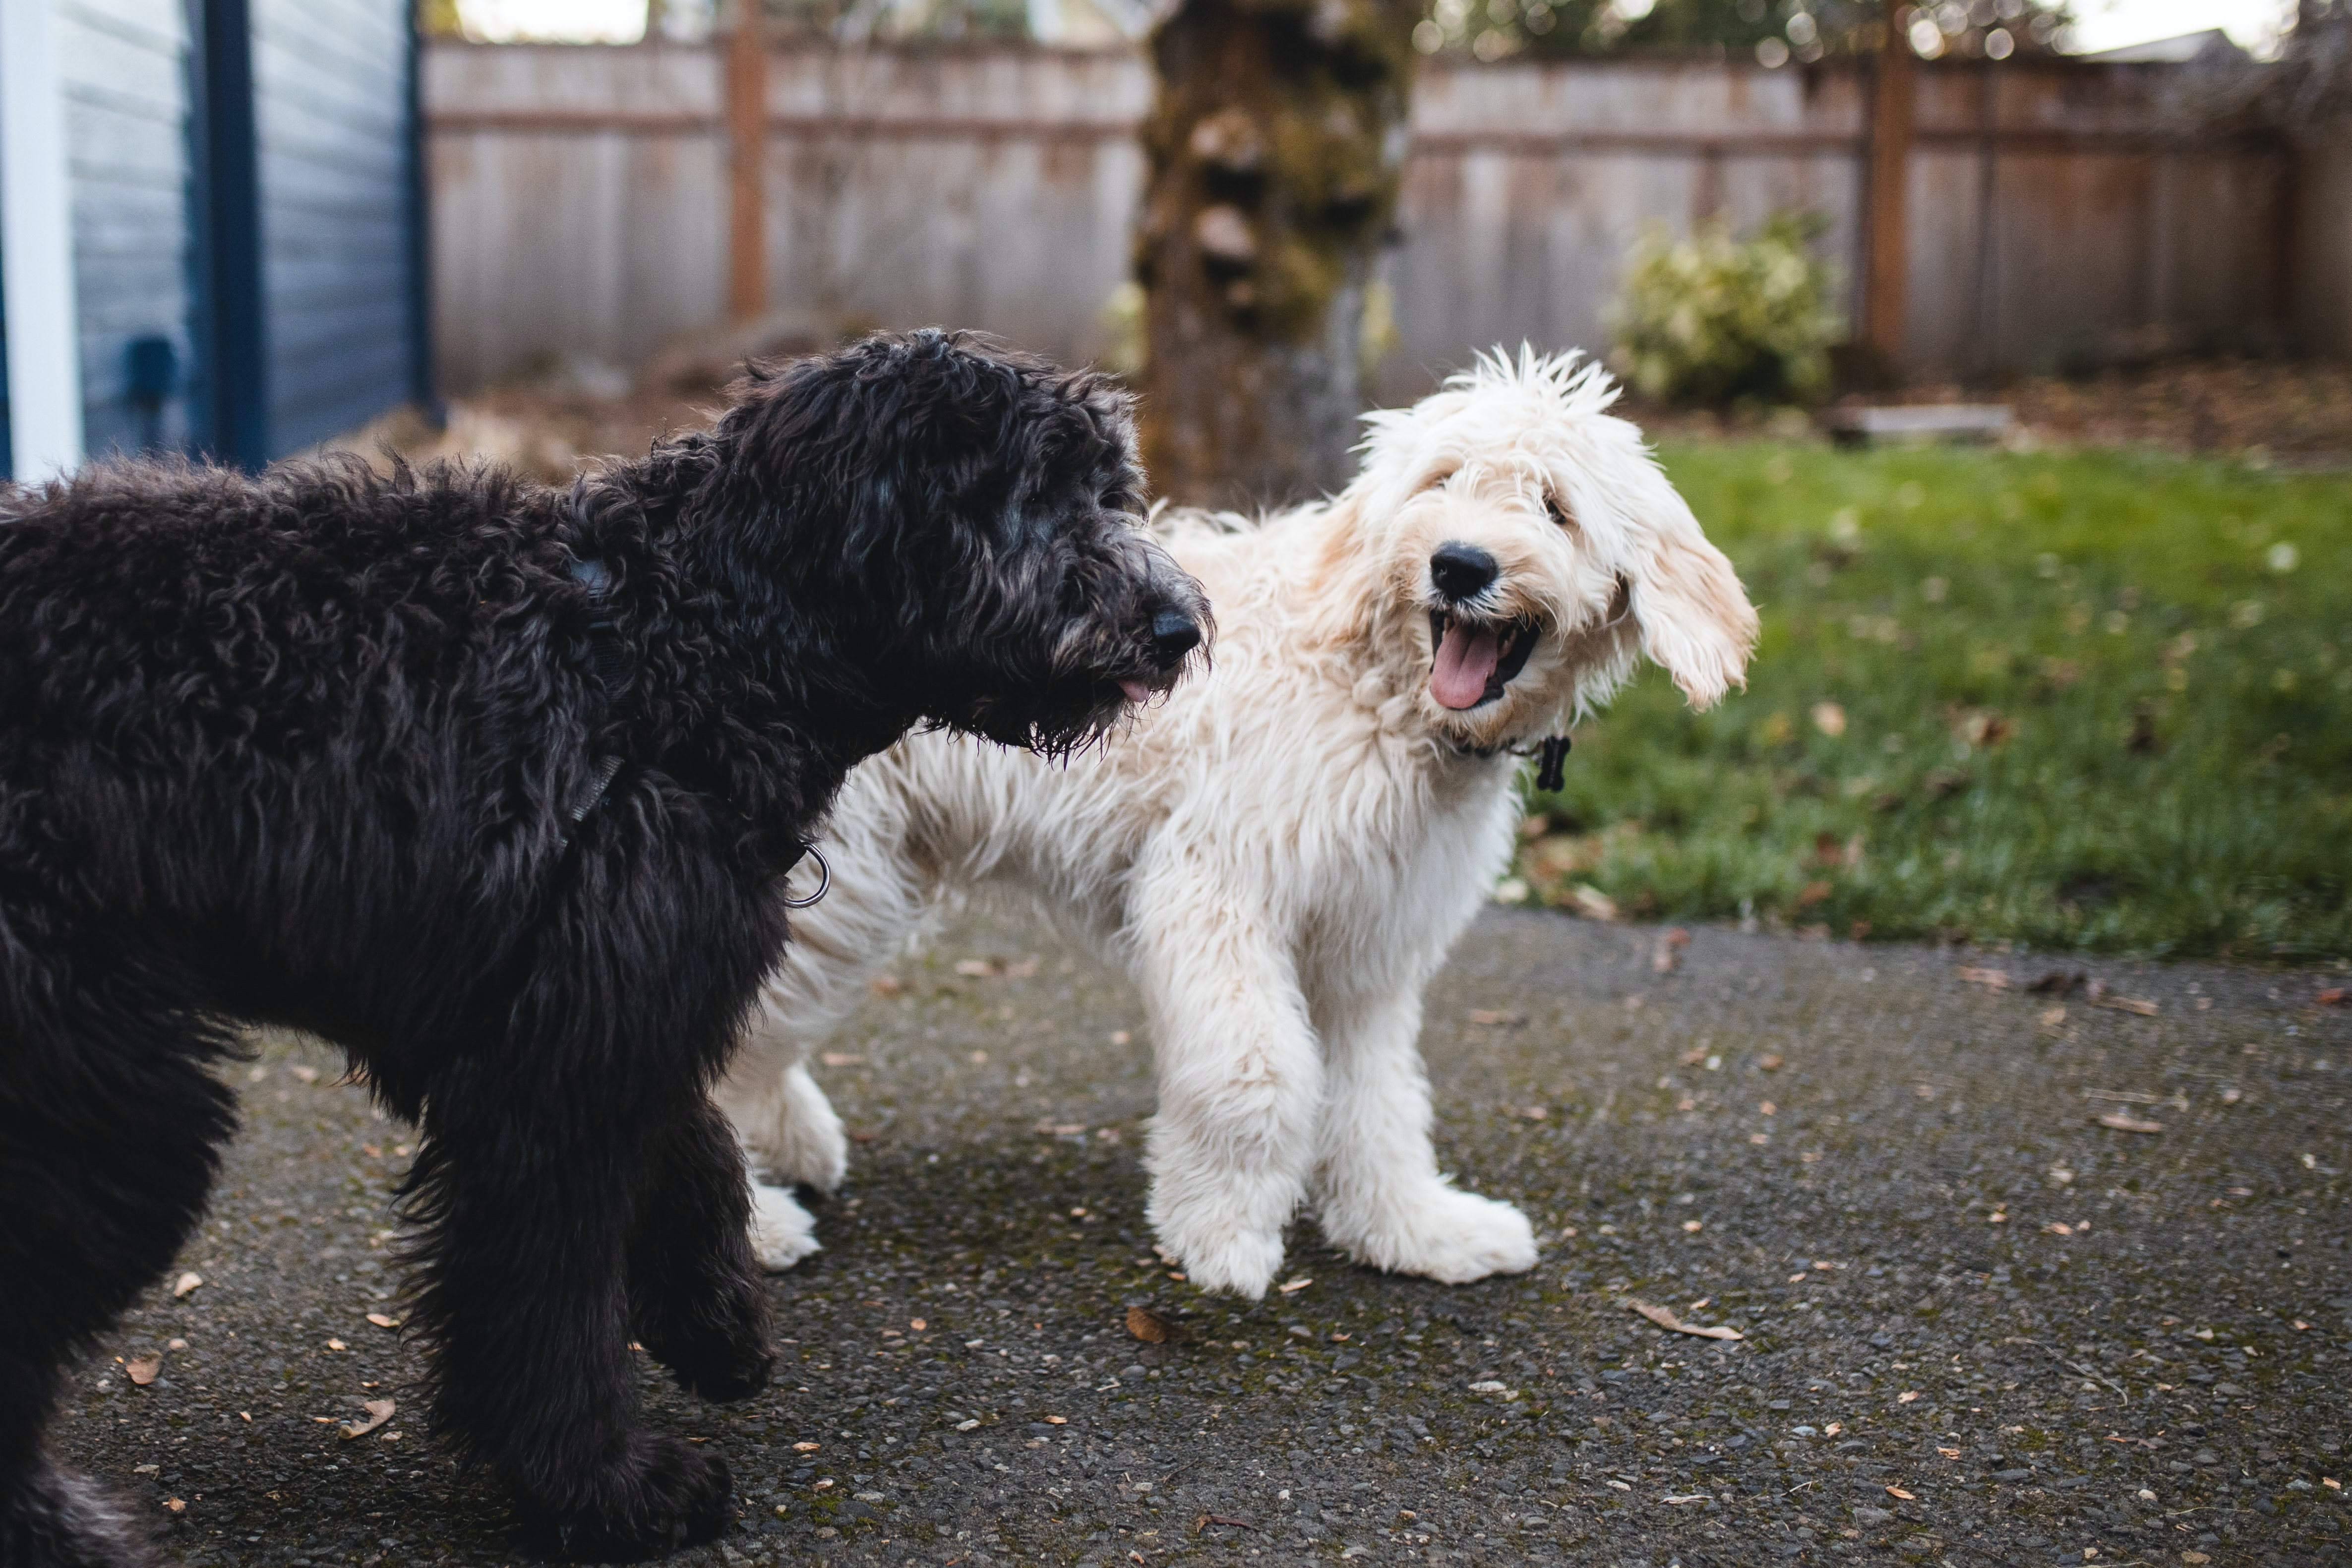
(1465, 662)
(1137, 691)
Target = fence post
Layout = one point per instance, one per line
(1890, 168)
(747, 132)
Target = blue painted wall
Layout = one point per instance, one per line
(331, 124)
(330, 80)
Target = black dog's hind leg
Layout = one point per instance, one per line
(696, 1299)
(110, 1126)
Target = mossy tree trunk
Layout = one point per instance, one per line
(1276, 145)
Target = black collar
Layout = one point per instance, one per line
(1550, 756)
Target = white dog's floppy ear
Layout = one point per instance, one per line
(1695, 619)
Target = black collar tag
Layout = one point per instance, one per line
(1551, 770)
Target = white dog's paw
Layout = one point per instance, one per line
(1443, 1233)
(1219, 1258)
(782, 1232)
(810, 1145)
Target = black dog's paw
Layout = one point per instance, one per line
(716, 1368)
(662, 1497)
(712, 1329)
(56, 1518)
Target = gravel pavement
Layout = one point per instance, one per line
(1979, 1327)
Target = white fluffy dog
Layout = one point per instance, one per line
(1283, 853)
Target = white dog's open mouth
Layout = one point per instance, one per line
(1476, 659)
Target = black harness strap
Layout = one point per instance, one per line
(610, 660)
(610, 663)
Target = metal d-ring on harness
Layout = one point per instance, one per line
(610, 663)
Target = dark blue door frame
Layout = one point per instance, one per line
(420, 233)
(231, 329)
(7, 441)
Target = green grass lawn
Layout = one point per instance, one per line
(2096, 700)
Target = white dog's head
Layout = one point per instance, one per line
(1523, 547)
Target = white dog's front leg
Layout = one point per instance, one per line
(1381, 1196)
(782, 1232)
(1239, 1080)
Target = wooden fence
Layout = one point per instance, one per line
(581, 199)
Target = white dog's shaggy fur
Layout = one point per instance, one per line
(1281, 853)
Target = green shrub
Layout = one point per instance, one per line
(1712, 320)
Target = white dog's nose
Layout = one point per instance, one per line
(1461, 570)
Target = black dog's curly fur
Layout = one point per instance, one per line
(308, 749)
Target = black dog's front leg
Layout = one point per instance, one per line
(527, 1188)
(696, 1300)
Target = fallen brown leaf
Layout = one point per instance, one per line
(1898, 1491)
(144, 1368)
(1488, 1018)
(2331, 997)
(1769, 1062)
(1668, 951)
(1996, 978)
(1295, 1285)
(1591, 902)
(379, 1412)
(175, 1505)
(2146, 1009)
(2122, 1123)
(886, 985)
(839, 1059)
(1149, 1326)
(382, 1321)
(185, 1283)
(1664, 1318)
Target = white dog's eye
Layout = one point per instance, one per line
(1558, 513)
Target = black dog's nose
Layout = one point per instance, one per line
(1174, 634)
(1461, 570)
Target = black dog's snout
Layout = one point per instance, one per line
(1174, 634)
(1461, 570)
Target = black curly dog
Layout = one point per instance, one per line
(339, 752)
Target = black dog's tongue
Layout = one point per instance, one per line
(1465, 662)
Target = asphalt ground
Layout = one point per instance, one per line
(1979, 1327)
